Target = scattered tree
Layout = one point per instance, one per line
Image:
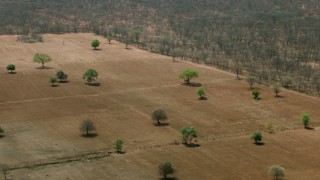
(200, 92)
(276, 89)
(188, 74)
(166, 169)
(118, 145)
(4, 168)
(127, 42)
(136, 33)
(52, 80)
(87, 126)
(11, 67)
(188, 134)
(159, 115)
(62, 76)
(238, 69)
(277, 172)
(90, 75)
(305, 117)
(41, 58)
(109, 38)
(251, 81)
(270, 128)
(95, 43)
(257, 137)
(256, 94)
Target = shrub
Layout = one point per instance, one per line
(270, 128)
(87, 126)
(159, 115)
(41, 58)
(90, 75)
(95, 43)
(257, 137)
(276, 89)
(305, 117)
(256, 94)
(251, 81)
(118, 145)
(11, 67)
(188, 134)
(200, 92)
(277, 172)
(52, 80)
(62, 76)
(188, 74)
(166, 169)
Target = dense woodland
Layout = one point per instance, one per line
(276, 41)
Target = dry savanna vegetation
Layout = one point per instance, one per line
(41, 122)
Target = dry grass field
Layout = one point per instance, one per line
(42, 122)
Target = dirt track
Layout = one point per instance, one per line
(42, 122)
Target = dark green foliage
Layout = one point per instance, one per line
(188, 134)
(11, 67)
(61, 76)
(159, 115)
(305, 118)
(90, 75)
(188, 74)
(166, 169)
(95, 43)
(257, 137)
(118, 145)
(256, 94)
(200, 92)
(87, 126)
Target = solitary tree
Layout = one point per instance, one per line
(159, 115)
(251, 81)
(87, 126)
(200, 91)
(109, 38)
(276, 89)
(118, 145)
(166, 169)
(277, 172)
(95, 43)
(52, 80)
(257, 137)
(62, 76)
(188, 74)
(4, 169)
(256, 94)
(237, 69)
(90, 75)
(305, 117)
(41, 58)
(11, 67)
(188, 134)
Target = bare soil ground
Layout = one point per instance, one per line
(42, 122)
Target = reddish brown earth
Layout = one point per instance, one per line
(42, 122)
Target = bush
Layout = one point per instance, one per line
(62, 76)
(87, 126)
(52, 80)
(118, 145)
(276, 89)
(188, 74)
(11, 67)
(200, 92)
(256, 94)
(95, 43)
(30, 39)
(166, 169)
(270, 128)
(305, 117)
(277, 172)
(188, 134)
(257, 137)
(251, 81)
(159, 115)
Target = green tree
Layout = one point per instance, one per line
(136, 33)
(41, 58)
(256, 94)
(257, 137)
(277, 172)
(251, 81)
(165, 169)
(61, 76)
(52, 80)
(118, 145)
(95, 43)
(109, 38)
(276, 89)
(87, 126)
(188, 74)
(11, 67)
(159, 115)
(237, 69)
(305, 118)
(200, 92)
(90, 75)
(188, 134)
(127, 42)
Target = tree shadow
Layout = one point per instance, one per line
(169, 178)
(192, 84)
(162, 124)
(93, 84)
(120, 152)
(90, 135)
(259, 143)
(2, 136)
(12, 72)
(128, 48)
(192, 145)
(47, 68)
(309, 128)
(97, 49)
(62, 82)
(203, 98)
(56, 85)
